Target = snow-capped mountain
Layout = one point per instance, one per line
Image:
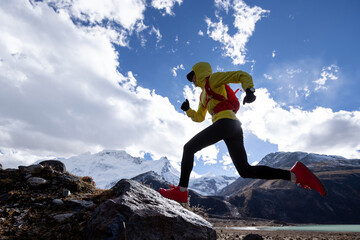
(108, 167)
(288, 159)
(210, 184)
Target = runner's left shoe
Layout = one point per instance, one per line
(174, 193)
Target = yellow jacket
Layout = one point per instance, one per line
(216, 81)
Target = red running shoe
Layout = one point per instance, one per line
(307, 179)
(174, 193)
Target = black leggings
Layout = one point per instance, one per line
(231, 132)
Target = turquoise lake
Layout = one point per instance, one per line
(312, 228)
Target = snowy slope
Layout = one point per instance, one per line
(288, 159)
(210, 184)
(109, 166)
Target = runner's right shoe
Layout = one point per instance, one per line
(307, 179)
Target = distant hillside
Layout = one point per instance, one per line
(284, 201)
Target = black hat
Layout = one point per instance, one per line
(190, 75)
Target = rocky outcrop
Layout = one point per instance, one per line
(54, 164)
(212, 206)
(138, 212)
(42, 202)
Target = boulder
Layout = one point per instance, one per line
(54, 164)
(138, 212)
(65, 193)
(32, 169)
(36, 181)
(63, 217)
(253, 237)
(78, 204)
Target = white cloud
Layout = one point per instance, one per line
(255, 163)
(192, 93)
(244, 23)
(61, 93)
(219, 69)
(125, 12)
(115, 19)
(208, 155)
(273, 54)
(320, 130)
(201, 33)
(175, 69)
(223, 5)
(157, 33)
(299, 81)
(267, 76)
(166, 5)
(226, 159)
(327, 73)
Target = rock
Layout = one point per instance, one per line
(36, 181)
(4, 197)
(32, 169)
(76, 204)
(139, 212)
(58, 202)
(54, 164)
(253, 237)
(63, 217)
(66, 193)
(69, 182)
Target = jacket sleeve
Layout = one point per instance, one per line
(199, 115)
(220, 78)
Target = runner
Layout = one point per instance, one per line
(227, 127)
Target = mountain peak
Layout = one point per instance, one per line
(288, 159)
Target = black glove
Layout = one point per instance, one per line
(185, 106)
(250, 97)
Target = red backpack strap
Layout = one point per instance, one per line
(211, 93)
(230, 103)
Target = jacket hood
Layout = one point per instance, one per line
(202, 70)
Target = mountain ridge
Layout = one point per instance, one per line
(109, 166)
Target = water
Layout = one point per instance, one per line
(311, 228)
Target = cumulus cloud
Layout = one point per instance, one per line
(320, 130)
(125, 12)
(208, 155)
(245, 18)
(166, 5)
(115, 19)
(61, 93)
(226, 159)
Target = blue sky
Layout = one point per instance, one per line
(82, 76)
